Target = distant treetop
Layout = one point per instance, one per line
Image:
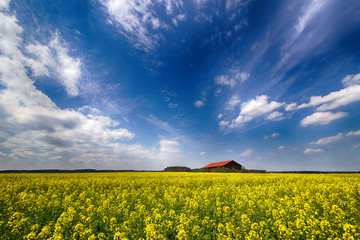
(177, 169)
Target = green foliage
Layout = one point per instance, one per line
(177, 169)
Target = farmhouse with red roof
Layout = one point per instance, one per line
(226, 164)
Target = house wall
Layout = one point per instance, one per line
(233, 165)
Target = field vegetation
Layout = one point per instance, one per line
(179, 206)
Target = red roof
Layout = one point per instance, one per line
(218, 164)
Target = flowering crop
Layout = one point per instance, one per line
(179, 206)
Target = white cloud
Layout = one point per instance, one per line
(291, 107)
(199, 103)
(202, 153)
(170, 152)
(275, 116)
(331, 101)
(335, 99)
(208, 10)
(232, 78)
(336, 138)
(169, 146)
(4, 4)
(255, 108)
(353, 133)
(172, 5)
(69, 68)
(155, 23)
(200, 2)
(329, 140)
(310, 11)
(230, 4)
(178, 18)
(9, 32)
(313, 150)
(321, 118)
(247, 152)
(240, 25)
(355, 147)
(173, 105)
(171, 99)
(43, 61)
(89, 109)
(233, 102)
(223, 124)
(55, 59)
(224, 80)
(217, 92)
(287, 148)
(243, 76)
(133, 18)
(219, 116)
(282, 147)
(352, 79)
(153, 120)
(310, 33)
(271, 136)
(121, 134)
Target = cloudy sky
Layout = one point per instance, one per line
(120, 84)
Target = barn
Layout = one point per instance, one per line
(231, 164)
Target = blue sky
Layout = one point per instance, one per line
(113, 84)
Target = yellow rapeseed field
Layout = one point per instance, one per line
(179, 206)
